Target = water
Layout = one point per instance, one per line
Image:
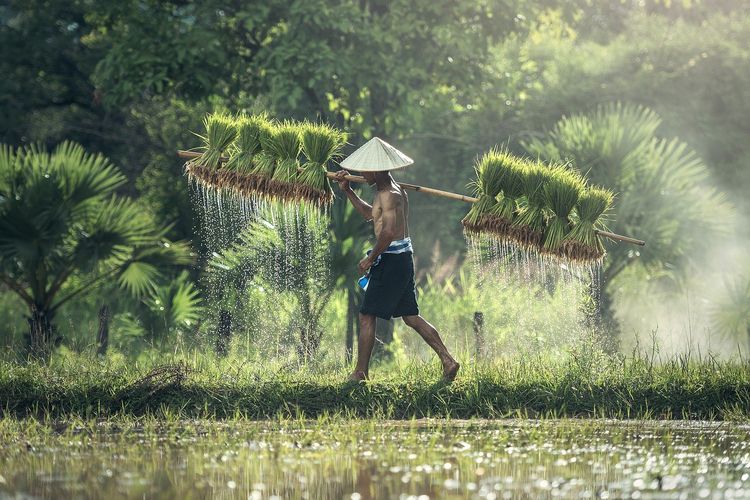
(366, 459)
(266, 260)
(501, 262)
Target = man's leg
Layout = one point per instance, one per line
(432, 337)
(365, 344)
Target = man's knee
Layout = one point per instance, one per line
(411, 321)
(366, 319)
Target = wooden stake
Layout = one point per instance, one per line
(432, 191)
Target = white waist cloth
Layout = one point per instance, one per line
(396, 246)
(400, 246)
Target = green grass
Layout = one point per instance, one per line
(205, 387)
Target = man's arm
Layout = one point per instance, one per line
(364, 208)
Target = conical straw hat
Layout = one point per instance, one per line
(376, 155)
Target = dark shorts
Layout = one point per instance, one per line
(391, 292)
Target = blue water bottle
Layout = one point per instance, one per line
(364, 281)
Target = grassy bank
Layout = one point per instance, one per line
(583, 385)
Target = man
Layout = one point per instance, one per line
(390, 291)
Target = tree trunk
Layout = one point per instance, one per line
(102, 336)
(351, 321)
(224, 333)
(310, 337)
(383, 337)
(41, 333)
(479, 334)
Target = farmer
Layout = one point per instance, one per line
(390, 291)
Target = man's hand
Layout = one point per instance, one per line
(340, 178)
(365, 264)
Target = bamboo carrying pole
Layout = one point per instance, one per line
(435, 192)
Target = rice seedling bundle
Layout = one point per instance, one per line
(502, 214)
(528, 227)
(247, 144)
(582, 243)
(562, 191)
(285, 146)
(489, 171)
(546, 208)
(321, 143)
(221, 131)
(265, 160)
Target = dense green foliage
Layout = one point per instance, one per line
(60, 220)
(443, 80)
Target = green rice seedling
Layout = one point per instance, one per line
(285, 146)
(530, 223)
(582, 243)
(221, 131)
(321, 143)
(561, 192)
(504, 211)
(486, 186)
(247, 144)
(265, 159)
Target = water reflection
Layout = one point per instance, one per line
(367, 460)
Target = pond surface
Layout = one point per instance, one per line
(368, 459)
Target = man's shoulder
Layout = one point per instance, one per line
(391, 196)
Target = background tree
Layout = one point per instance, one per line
(60, 218)
(349, 234)
(287, 256)
(165, 311)
(663, 189)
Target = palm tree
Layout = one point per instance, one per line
(61, 219)
(288, 257)
(166, 309)
(662, 189)
(297, 247)
(348, 242)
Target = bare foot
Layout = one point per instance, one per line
(450, 370)
(357, 376)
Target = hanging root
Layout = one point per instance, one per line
(315, 196)
(579, 252)
(258, 185)
(526, 237)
